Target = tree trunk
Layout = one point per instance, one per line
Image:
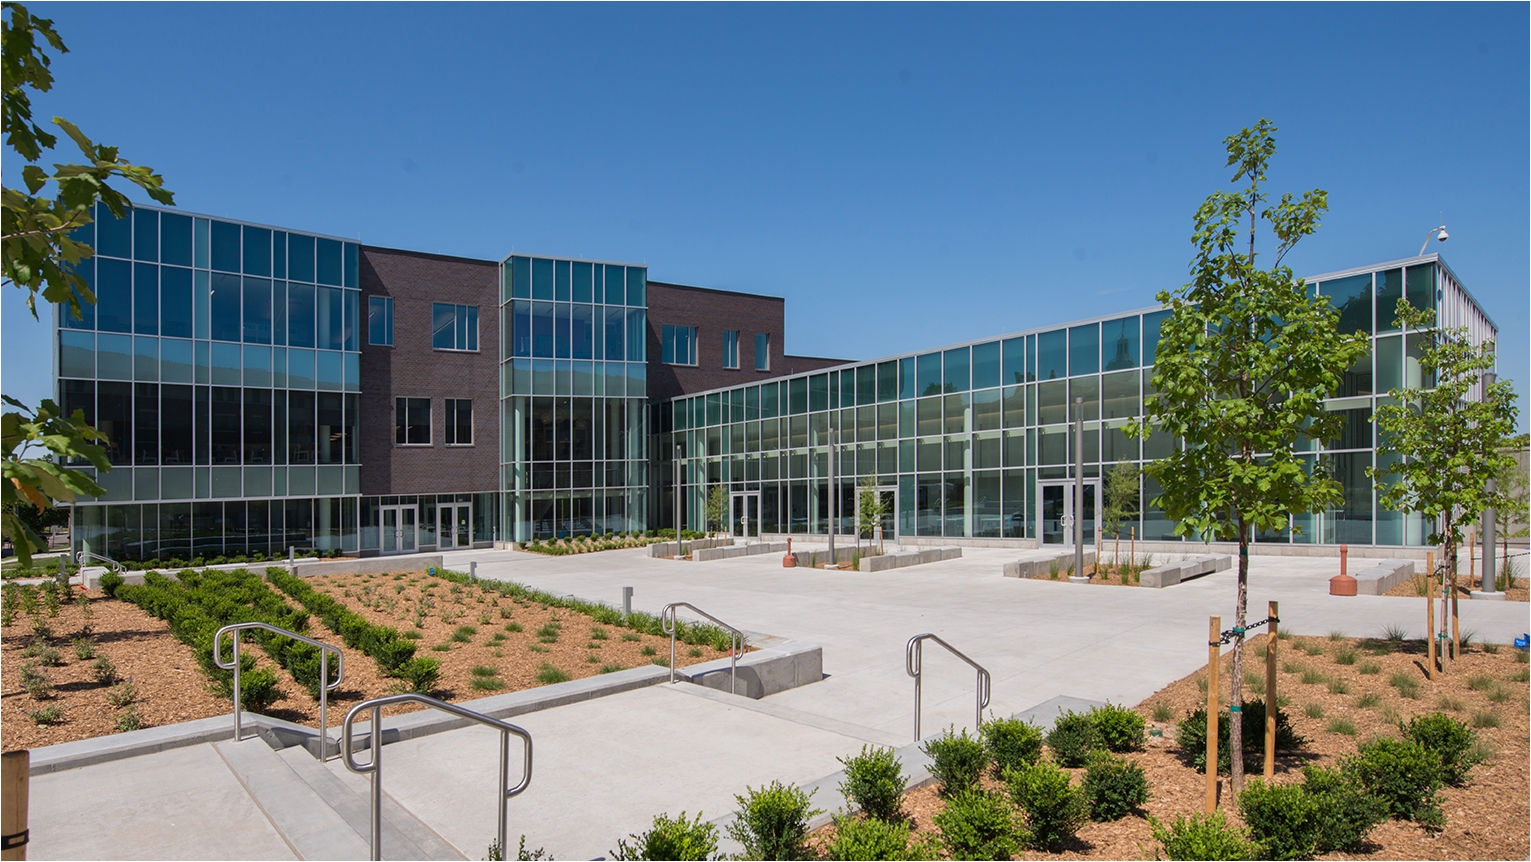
(1236, 678)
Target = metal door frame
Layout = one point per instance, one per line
(736, 495)
(399, 510)
(1068, 508)
(454, 507)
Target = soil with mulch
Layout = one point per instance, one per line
(1414, 587)
(513, 645)
(1339, 705)
(167, 683)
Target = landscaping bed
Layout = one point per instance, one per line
(1414, 587)
(1336, 692)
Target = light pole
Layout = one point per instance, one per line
(678, 450)
(1079, 491)
(1443, 236)
(832, 563)
(1489, 587)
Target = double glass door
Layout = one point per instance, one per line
(744, 515)
(398, 529)
(455, 523)
(1057, 512)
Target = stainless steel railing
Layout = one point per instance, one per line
(374, 767)
(325, 686)
(667, 623)
(83, 557)
(912, 655)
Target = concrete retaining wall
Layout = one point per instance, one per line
(680, 549)
(1043, 568)
(369, 565)
(1382, 577)
(763, 672)
(900, 559)
(731, 551)
(1171, 574)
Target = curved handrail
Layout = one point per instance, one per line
(667, 624)
(82, 557)
(375, 765)
(325, 686)
(914, 653)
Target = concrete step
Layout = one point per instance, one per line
(404, 835)
(308, 823)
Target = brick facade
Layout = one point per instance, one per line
(412, 368)
(711, 312)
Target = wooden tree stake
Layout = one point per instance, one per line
(1214, 660)
(1270, 694)
(1430, 623)
(15, 778)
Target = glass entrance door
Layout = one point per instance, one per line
(744, 515)
(398, 531)
(1056, 518)
(456, 523)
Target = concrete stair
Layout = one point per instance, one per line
(322, 814)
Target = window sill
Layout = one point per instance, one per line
(453, 350)
(460, 445)
(413, 445)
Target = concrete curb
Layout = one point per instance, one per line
(901, 559)
(763, 672)
(1044, 567)
(118, 746)
(726, 553)
(1170, 574)
(1384, 576)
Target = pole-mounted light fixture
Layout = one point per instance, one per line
(1436, 233)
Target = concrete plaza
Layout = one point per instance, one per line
(604, 767)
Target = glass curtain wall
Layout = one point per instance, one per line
(220, 358)
(573, 381)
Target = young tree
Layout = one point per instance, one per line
(1121, 501)
(871, 508)
(717, 508)
(1510, 521)
(40, 251)
(1243, 365)
(1447, 445)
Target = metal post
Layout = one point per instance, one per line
(473, 570)
(832, 562)
(919, 663)
(504, 784)
(324, 705)
(678, 450)
(238, 705)
(1490, 580)
(627, 602)
(292, 556)
(1079, 487)
(377, 783)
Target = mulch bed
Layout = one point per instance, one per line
(1486, 819)
(1414, 587)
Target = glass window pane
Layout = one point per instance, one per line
(300, 257)
(380, 321)
(637, 337)
(145, 299)
(887, 380)
(175, 239)
(175, 293)
(225, 246)
(637, 286)
(1389, 291)
(762, 351)
(328, 262)
(257, 310)
(986, 365)
(145, 235)
(542, 278)
(797, 395)
(582, 282)
(616, 289)
(866, 384)
(1352, 297)
(257, 251)
(1420, 284)
(1120, 395)
(1014, 361)
(956, 375)
(300, 315)
(279, 254)
(1389, 362)
(615, 321)
(352, 264)
(1119, 344)
(928, 374)
(1084, 349)
(225, 307)
(1052, 355)
(581, 330)
(1151, 323)
(114, 295)
(818, 392)
(114, 236)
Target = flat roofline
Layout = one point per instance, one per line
(575, 259)
(435, 254)
(194, 214)
(719, 290)
(1411, 261)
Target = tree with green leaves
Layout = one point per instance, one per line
(40, 252)
(1243, 365)
(1439, 446)
(717, 508)
(1510, 521)
(871, 508)
(1120, 503)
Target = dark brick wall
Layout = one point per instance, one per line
(412, 368)
(711, 312)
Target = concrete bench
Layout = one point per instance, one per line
(1043, 568)
(680, 549)
(763, 672)
(728, 552)
(911, 557)
(1170, 574)
(1384, 576)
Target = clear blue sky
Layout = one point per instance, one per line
(906, 176)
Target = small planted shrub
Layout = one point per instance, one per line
(874, 782)
(130, 720)
(649, 650)
(979, 825)
(1453, 742)
(1192, 735)
(957, 760)
(1284, 819)
(1313, 710)
(1162, 712)
(47, 715)
(1342, 726)
(1011, 743)
(1349, 813)
(773, 821)
(1054, 807)
(1345, 656)
(1484, 718)
(1406, 684)
(1401, 773)
(464, 634)
(677, 839)
(110, 582)
(123, 694)
(870, 838)
(84, 649)
(513, 627)
(1074, 738)
(420, 674)
(104, 671)
(547, 674)
(1113, 786)
(1369, 668)
(610, 668)
(1203, 836)
(1120, 728)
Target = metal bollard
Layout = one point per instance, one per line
(627, 601)
(473, 569)
(292, 555)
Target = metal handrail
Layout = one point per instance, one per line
(325, 686)
(667, 624)
(375, 765)
(82, 557)
(914, 652)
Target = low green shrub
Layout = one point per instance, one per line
(1451, 741)
(957, 760)
(36, 682)
(84, 649)
(1349, 812)
(1401, 773)
(110, 582)
(1114, 787)
(1121, 729)
(547, 674)
(1054, 807)
(1192, 735)
(129, 721)
(47, 716)
(1284, 819)
(1011, 743)
(676, 839)
(124, 694)
(870, 838)
(772, 822)
(874, 783)
(979, 825)
(391, 650)
(1074, 738)
(1203, 836)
